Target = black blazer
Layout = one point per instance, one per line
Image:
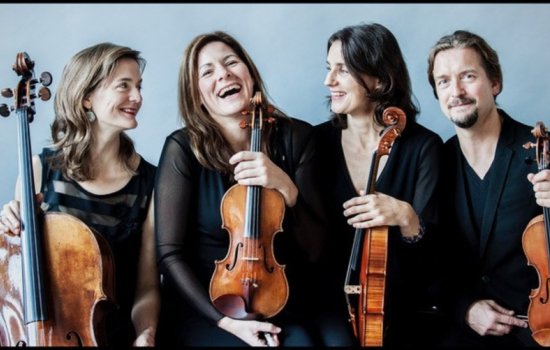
(493, 265)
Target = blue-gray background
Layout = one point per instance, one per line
(287, 42)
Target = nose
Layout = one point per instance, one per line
(135, 95)
(223, 73)
(456, 88)
(329, 79)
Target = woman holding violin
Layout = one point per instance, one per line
(199, 165)
(366, 75)
(93, 172)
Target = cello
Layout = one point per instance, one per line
(536, 245)
(249, 283)
(57, 276)
(365, 282)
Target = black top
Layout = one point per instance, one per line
(189, 227)
(411, 174)
(491, 265)
(116, 216)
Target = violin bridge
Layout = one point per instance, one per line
(351, 289)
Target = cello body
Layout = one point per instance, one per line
(78, 293)
(57, 276)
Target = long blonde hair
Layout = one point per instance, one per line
(71, 130)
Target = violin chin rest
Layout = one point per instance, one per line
(234, 306)
(542, 336)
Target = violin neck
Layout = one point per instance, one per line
(31, 245)
(253, 193)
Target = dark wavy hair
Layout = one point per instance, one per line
(371, 49)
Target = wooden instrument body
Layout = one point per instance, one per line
(250, 267)
(536, 246)
(78, 297)
(249, 283)
(368, 259)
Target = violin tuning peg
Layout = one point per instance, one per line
(528, 145)
(4, 110)
(7, 93)
(243, 124)
(46, 79)
(44, 94)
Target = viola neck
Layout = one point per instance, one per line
(31, 246)
(252, 216)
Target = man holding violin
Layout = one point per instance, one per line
(492, 199)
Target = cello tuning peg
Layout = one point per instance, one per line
(44, 94)
(46, 78)
(4, 110)
(8, 93)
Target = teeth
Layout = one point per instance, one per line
(225, 89)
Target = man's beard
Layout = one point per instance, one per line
(467, 122)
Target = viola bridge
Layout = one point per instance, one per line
(351, 289)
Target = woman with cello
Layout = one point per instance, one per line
(366, 75)
(93, 172)
(199, 164)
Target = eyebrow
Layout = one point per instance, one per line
(208, 64)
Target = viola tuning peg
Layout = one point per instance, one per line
(7, 93)
(4, 110)
(44, 94)
(46, 79)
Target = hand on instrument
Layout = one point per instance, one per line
(486, 317)
(146, 338)
(541, 186)
(379, 209)
(10, 220)
(256, 169)
(251, 332)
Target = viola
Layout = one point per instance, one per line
(365, 283)
(249, 283)
(57, 276)
(535, 242)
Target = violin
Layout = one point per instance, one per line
(57, 276)
(536, 245)
(249, 283)
(365, 283)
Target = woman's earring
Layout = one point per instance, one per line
(91, 115)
